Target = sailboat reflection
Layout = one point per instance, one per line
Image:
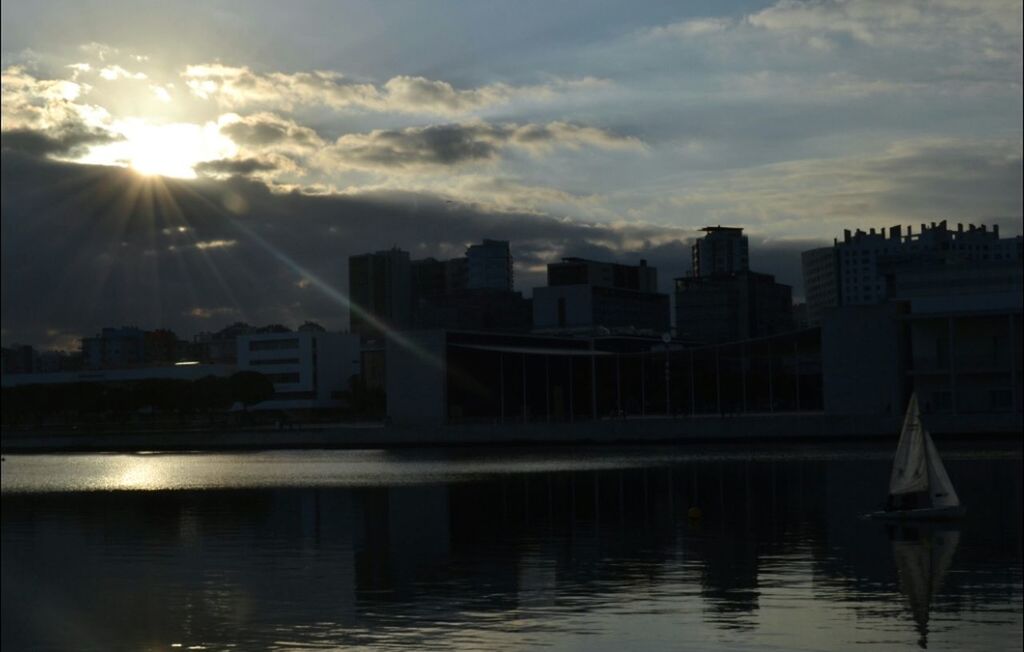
(923, 556)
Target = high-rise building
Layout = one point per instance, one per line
(585, 294)
(429, 278)
(722, 300)
(380, 290)
(723, 250)
(821, 282)
(489, 266)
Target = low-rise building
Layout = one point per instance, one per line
(438, 377)
(309, 369)
(180, 371)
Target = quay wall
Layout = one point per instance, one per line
(684, 430)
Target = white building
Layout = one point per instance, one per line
(864, 259)
(855, 271)
(309, 369)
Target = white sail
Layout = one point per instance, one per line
(910, 468)
(940, 488)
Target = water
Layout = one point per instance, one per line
(570, 549)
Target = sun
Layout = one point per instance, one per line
(169, 150)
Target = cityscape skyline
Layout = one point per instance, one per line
(936, 233)
(290, 144)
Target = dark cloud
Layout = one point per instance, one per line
(435, 145)
(267, 129)
(232, 166)
(452, 144)
(83, 248)
(68, 140)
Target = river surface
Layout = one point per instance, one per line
(504, 549)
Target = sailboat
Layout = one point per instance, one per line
(919, 487)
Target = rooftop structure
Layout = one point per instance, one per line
(585, 294)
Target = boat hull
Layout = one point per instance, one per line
(923, 514)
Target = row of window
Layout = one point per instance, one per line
(273, 345)
(283, 378)
(274, 361)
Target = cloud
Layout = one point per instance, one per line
(115, 72)
(68, 140)
(914, 45)
(42, 116)
(117, 264)
(455, 144)
(893, 21)
(239, 87)
(910, 181)
(691, 28)
(268, 130)
(215, 244)
(221, 312)
(232, 167)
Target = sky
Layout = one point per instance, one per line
(186, 164)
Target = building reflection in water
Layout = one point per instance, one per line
(533, 553)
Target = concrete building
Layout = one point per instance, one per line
(19, 359)
(952, 333)
(585, 294)
(580, 271)
(856, 272)
(309, 369)
(448, 377)
(479, 309)
(963, 330)
(380, 290)
(469, 293)
(429, 279)
(115, 348)
(489, 266)
(220, 347)
(821, 282)
(722, 250)
(728, 308)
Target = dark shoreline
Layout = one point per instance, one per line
(749, 429)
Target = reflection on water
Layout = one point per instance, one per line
(923, 553)
(512, 550)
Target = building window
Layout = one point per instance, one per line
(283, 378)
(561, 312)
(273, 345)
(942, 401)
(1002, 399)
(274, 361)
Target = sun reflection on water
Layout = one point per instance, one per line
(137, 473)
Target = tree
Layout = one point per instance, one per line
(250, 387)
